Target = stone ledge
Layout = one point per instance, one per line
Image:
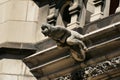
(16, 45)
(45, 56)
(44, 44)
(101, 23)
(16, 50)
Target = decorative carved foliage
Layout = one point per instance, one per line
(101, 68)
(66, 77)
(93, 71)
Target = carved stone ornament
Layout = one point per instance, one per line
(66, 77)
(66, 38)
(93, 71)
(102, 67)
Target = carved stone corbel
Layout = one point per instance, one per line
(53, 13)
(66, 38)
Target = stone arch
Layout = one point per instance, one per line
(113, 7)
(64, 11)
(63, 8)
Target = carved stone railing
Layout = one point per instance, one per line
(77, 11)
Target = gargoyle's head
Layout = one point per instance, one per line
(53, 32)
(46, 29)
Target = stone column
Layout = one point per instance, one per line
(106, 8)
(98, 10)
(53, 13)
(77, 12)
(118, 9)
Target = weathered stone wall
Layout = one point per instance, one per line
(18, 24)
(13, 69)
(19, 21)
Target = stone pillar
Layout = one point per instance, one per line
(53, 13)
(98, 10)
(106, 8)
(77, 12)
(102, 8)
(118, 9)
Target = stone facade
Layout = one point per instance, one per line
(26, 54)
(18, 24)
(14, 69)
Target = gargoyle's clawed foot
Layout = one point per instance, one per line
(78, 56)
(85, 48)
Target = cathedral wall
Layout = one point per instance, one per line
(18, 24)
(19, 21)
(14, 69)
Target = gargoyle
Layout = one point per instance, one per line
(65, 37)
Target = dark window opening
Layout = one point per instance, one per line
(66, 16)
(113, 6)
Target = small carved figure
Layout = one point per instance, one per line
(65, 37)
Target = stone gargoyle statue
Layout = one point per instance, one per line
(66, 38)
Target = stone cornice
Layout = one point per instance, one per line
(17, 45)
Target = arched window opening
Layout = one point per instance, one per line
(113, 6)
(66, 16)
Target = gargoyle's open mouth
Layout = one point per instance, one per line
(45, 29)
